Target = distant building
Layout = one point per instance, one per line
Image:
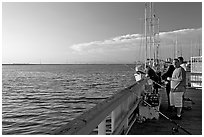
(196, 71)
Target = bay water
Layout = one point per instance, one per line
(37, 99)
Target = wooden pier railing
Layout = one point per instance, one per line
(114, 115)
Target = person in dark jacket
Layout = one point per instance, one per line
(167, 74)
(153, 76)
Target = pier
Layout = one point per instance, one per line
(115, 115)
(118, 114)
(191, 119)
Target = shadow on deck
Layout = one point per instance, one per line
(191, 119)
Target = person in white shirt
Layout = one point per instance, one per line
(177, 88)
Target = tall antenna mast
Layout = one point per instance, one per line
(145, 33)
(191, 49)
(151, 34)
(150, 31)
(199, 51)
(199, 46)
(158, 42)
(174, 50)
(176, 47)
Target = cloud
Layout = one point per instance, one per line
(184, 33)
(119, 43)
(131, 46)
(134, 40)
(181, 36)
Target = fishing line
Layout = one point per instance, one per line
(168, 118)
(129, 67)
(158, 84)
(178, 126)
(143, 73)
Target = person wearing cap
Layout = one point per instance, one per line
(177, 88)
(153, 76)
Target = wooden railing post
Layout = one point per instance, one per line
(102, 128)
(120, 107)
(113, 121)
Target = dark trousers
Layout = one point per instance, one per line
(168, 89)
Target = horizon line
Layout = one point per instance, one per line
(65, 63)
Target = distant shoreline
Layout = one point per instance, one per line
(68, 64)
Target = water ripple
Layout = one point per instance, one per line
(39, 98)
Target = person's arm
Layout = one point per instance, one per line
(164, 76)
(140, 72)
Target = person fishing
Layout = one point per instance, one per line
(177, 88)
(153, 76)
(164, 77)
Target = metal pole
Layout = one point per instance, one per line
(145, 33)
(153, 32)
(150, 32)
(158, 44)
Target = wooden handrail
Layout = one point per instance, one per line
(88, 121)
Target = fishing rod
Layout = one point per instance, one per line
(158, 84)
(178, 126)
(141, 72)
(153, 80)
(129, 67)
(174, 129)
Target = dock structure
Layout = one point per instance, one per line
(191, 119)
(118, 115)
(115, 115)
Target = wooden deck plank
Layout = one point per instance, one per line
(191, 119)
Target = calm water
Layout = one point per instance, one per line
(37, 99)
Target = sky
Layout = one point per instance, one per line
(95, 32)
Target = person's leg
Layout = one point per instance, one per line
(184, 90)
(179, 109)
(168, 92)
(155, 88)
(171, 99)
(179, 102)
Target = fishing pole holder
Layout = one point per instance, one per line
(187, 103)
(175, 130)
(154, 99)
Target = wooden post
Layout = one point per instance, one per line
(113, 120)
(102, 128)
